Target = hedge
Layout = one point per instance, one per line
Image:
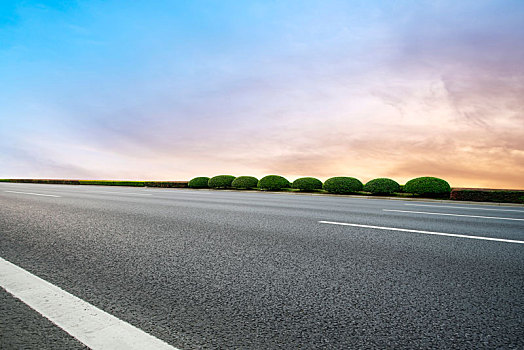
(44, 181)
(244, 182)
(428, 186)
(169, 184)
(273, 183)
(307, 184)
(198, 182)
(112, 183)
(342, 185)
(221, 181)
(172, 184)
(487, 195)
(382, 186)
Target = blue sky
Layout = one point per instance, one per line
(169, 90)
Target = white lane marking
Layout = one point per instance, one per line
(128, 193)
(424, 232)
(446, 214)
(34, 194)
(468, 208)
(93, 327)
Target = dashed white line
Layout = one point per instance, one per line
(34, 194)
(467, 208)
(93, 327)
(447, 214)
(424, 232)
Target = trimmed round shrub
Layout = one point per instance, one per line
(428, 186)
(245, 182)
(220, 181)
(382, 186)
(198, 182)
(273, 183)
(307, 184)
(342, 185)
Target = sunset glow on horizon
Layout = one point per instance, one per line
(170, 90)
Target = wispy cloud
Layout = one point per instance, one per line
(343, 88)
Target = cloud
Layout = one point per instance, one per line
(370, 91)
(385, 124)
(23, 163)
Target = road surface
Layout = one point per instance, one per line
(202, 269)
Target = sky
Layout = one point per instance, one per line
(170, 90)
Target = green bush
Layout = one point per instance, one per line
(428, 186)
(198, 182)
(273, 182)
(245, 182)
(221, 181)
(342, 185)
(382, 186)
(307, 184)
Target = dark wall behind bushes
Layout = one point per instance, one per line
(486, 195)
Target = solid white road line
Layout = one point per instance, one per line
(467, 208)
(424, 232)
(34, 194)
(446, 214)
(93, 327)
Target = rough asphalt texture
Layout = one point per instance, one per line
(222, 270)
(23, 328)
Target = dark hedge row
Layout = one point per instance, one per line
(479, 195)
(170, 184)
(43, 181)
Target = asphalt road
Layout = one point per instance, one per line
(206, 269)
